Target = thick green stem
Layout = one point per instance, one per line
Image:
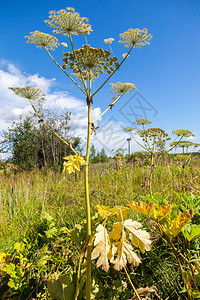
(89, 246)
(78, 275)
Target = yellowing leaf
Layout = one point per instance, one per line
(172, 228)
(73, 163)
(116, 233)
(102, 248)
(102, 210)
(151, 210)
(125, 253)
(118, 211)
(4, 259)
(139, 238)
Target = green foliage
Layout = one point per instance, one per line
(33, 146)
(49, 241)
(96, 157)
(60, 287)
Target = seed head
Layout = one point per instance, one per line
(42, 39)
(64, 45)
(94, 60)
(125, 55)
(120, 87)
(108, 41)
(68, 22)
(142, 122)
(28, 93)
(135, 37)
(182, 132)
(128, 129)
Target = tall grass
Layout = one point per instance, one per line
(26, 196)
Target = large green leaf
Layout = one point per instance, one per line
(60, 288)
(191, 231)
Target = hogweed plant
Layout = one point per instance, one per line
(154, 141)
(82, 66)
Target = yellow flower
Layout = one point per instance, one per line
(4, 258)
(73, 163)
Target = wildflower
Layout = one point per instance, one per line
(182, 132)
(20, 229)
(135, 37)
(108, 41)
(142, 122)
(125, 55)
(68, 22)
(73, 163)
(28, 92)
(42, 39)
(64, 45)
(120, 87)
(128, 129)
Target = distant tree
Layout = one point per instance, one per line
(31, 145)
(98, 156)
(92, 153)
(103, 155)
(22, 141)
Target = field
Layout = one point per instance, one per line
(40, 211)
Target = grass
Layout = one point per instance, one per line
(25, 198)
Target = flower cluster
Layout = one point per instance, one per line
(42, 39)
(90, 59)
(122, 88)
(28, 93)
(73, 163)
(67, 21)
(153, 133)
(125, 55)
(108, 41)
(182, 132)
(128, 129)
(135, 37)
(184, 144)
(142, 122)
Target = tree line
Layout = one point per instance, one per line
(29, 144)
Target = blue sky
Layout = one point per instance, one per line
(166, 72)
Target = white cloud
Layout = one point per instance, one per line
(12, 106)
(109, 135)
